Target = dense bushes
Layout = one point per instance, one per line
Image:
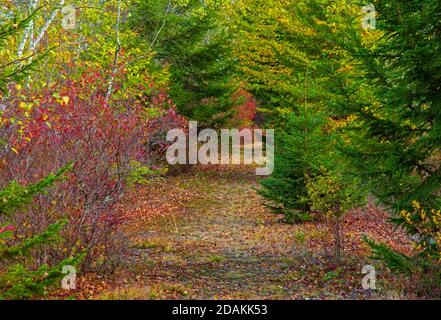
(104, 141)
(110, 129)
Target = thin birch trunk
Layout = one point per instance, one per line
(115, 58)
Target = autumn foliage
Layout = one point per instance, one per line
(105, 140)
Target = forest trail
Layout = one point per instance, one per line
(219, 242)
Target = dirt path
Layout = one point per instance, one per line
(219, 242)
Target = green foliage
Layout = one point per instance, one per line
(20, 276)
(268, 52)
(332, 91)
(396, 138)
(398, 132)
(50, 235)
(299, 152)
(333, 194)
(14, 196)
(14, 69)
(191, 44)
(289, 60)
(394, 260)
(286, 52)
(141, 174)
(21, 283)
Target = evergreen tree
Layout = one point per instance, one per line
(271, 58)
(301, 148)
(396, 138)
(401, 129)
(191, 43)
(290, 43)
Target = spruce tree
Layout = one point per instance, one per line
(191, 43)
(18, 279)
(400, 141)
(288, 44)
(396, 138)
(301, 148)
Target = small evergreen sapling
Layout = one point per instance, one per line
(20, 276)
(301, 146)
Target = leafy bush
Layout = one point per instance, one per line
(245, 109)
(332, 195)
(424, 224)
(104, 139)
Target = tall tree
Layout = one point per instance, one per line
(288, 59)
(397, 133)
(191, 43)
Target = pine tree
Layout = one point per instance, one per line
(402, 125)
(396, 139)
(191, 43)
(286, 43)
(301, 148)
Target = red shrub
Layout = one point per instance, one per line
(158, 128)
(102, 139)
(245, 109)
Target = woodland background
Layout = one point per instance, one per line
(89, 90)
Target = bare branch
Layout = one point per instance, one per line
(29, 31)
(43, 30)
(163, 24)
